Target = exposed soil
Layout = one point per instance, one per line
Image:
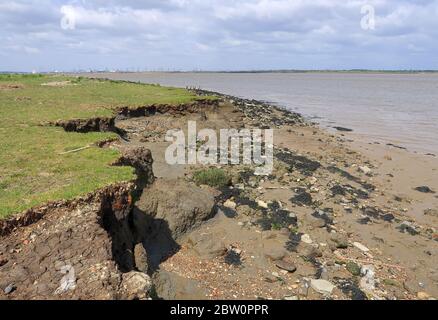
(337, 219)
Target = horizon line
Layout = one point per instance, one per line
(358, 70)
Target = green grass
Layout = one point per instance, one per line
(212, 177)
(32, 169)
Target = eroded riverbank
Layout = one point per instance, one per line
(335, 220)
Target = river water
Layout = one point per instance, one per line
(389, 108)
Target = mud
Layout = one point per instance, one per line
(317, 217)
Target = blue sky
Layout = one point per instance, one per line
(64, 35)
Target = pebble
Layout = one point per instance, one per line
(424, 189)
(365, 169)
(322, 286)
(306, 239)
(290, 267)
(407, 226)
(423, 295)
(291, 298)
(9, 289)
(230, 204)
(354, 268)
(262, 204)
(361, 247)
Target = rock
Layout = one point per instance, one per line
(339, 241)
(291, 298)
(207, 246)
(412, 286)
(312, 180)
(284, 265)
(230, 204)
(170, 286)
(353, 268)
(262, 204)
(245, 210)
(315, 222)
(141, 258)
(275, 253)
(135, 286)
(361, 247)
(306, 239)
(367, 282)
(423, 295)
(431, 212)
(322, 286)
(343, 129)
(9, 289)
(407, 226)
(309, 251)
(424, 189)
(365, 170)
(175, 206)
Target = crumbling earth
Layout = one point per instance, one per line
(333, 221)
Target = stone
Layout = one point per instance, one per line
(367, 282)
(262, 204)
(284, 265)
(245, 210)
(423, 295)
(353, 268)
(306, 239)
(171, 286)
(275, 254)
(424, 189)
(338, 241)
(315, 222)
(361, 247)
(207, 246)
(177, 206)
(141, 258)
(365, 170)
(291, 298)
(431, 212)
(408, 227)
(309, 251)
(135, 286)
(9, 289)
(322, 286)
(230, 204)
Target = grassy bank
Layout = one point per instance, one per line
(34, 168)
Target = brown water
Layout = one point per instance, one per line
(389, 108)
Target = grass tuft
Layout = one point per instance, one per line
(212, 177)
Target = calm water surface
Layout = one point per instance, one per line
(389, 108)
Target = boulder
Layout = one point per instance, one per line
(176, 205)
(135, 286)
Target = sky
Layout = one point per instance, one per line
(184, 35)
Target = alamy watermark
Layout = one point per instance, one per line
(68, 19)
(245, 146)
(68, 281)
(368, 21)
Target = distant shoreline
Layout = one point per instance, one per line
(291, 71)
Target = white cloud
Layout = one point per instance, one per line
(252, 33)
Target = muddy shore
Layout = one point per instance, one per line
(339, 218)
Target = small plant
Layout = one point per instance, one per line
(212, 177)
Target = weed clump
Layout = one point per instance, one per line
(212, 177)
